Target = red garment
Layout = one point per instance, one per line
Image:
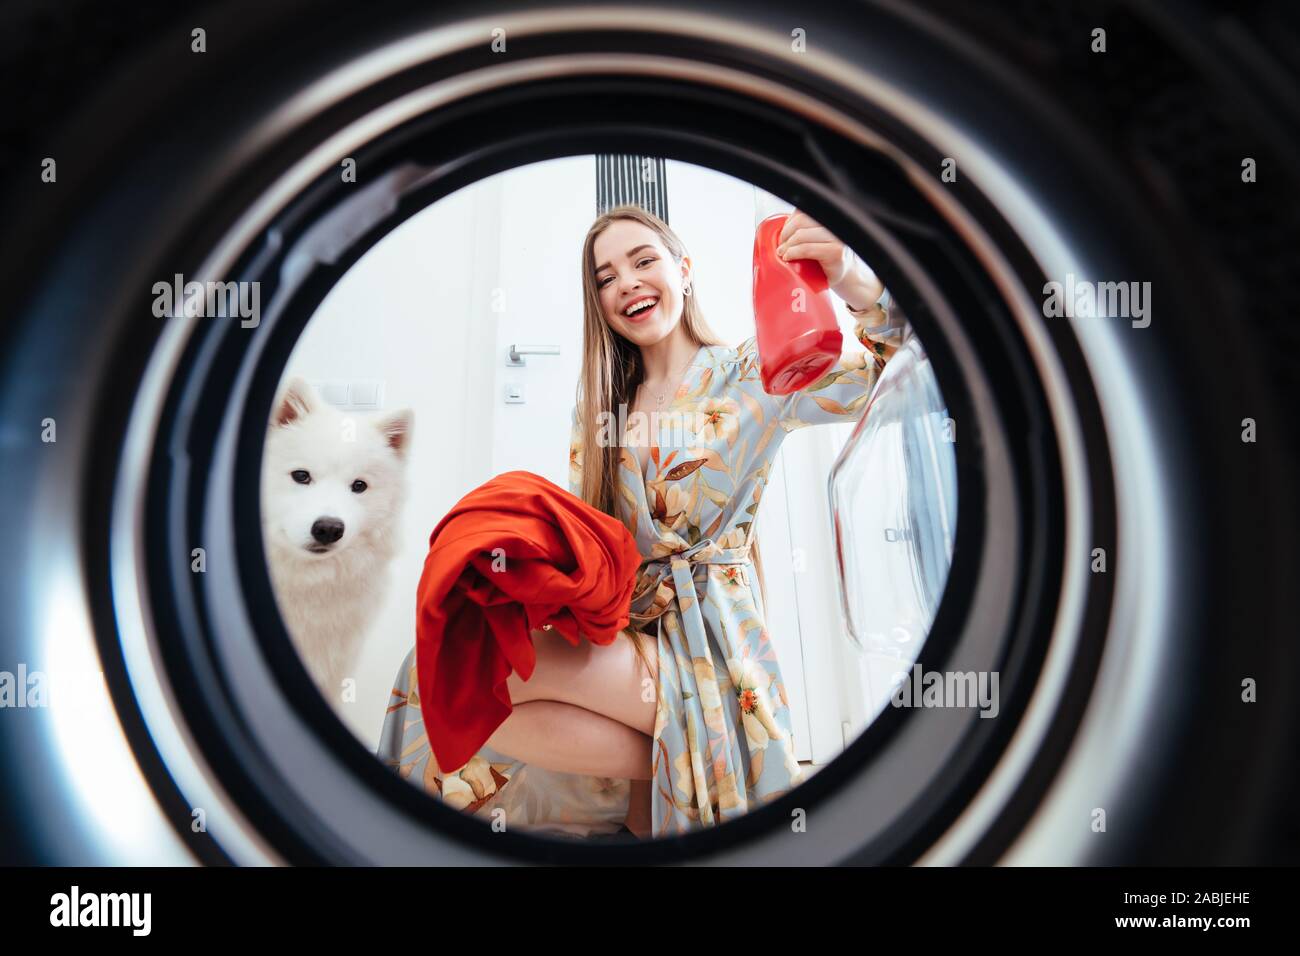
(560, 561)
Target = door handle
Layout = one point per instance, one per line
(517, 352)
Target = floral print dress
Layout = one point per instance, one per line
(505, 793)
(722, 742)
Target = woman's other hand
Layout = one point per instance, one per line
(802, 237)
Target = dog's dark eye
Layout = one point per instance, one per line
(359, 486)
(300, 476)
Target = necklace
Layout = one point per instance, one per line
(659, 399)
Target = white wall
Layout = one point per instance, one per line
(432, 310)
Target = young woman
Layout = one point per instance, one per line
(688, 705)
(706, 737)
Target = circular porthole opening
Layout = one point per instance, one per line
(338, 262)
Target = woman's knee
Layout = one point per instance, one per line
(608, 679)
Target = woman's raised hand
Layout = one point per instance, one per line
(802, 237)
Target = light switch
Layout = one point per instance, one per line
(365, 394)
(336, 393)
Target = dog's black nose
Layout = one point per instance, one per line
(327, 530)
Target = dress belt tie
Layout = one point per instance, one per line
(655, 592)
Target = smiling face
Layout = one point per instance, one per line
(634, 271)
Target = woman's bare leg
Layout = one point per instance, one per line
(569, 739)
(611, 686)
(609, 680)
(638, 809)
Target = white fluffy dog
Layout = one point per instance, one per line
(333, 487)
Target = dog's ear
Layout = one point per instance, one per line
(297, 399)
(396, 429)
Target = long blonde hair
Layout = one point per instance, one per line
(612, 368)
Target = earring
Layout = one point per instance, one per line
(686, 290)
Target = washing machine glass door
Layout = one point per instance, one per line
(894, 508)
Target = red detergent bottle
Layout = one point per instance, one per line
(795, 348)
